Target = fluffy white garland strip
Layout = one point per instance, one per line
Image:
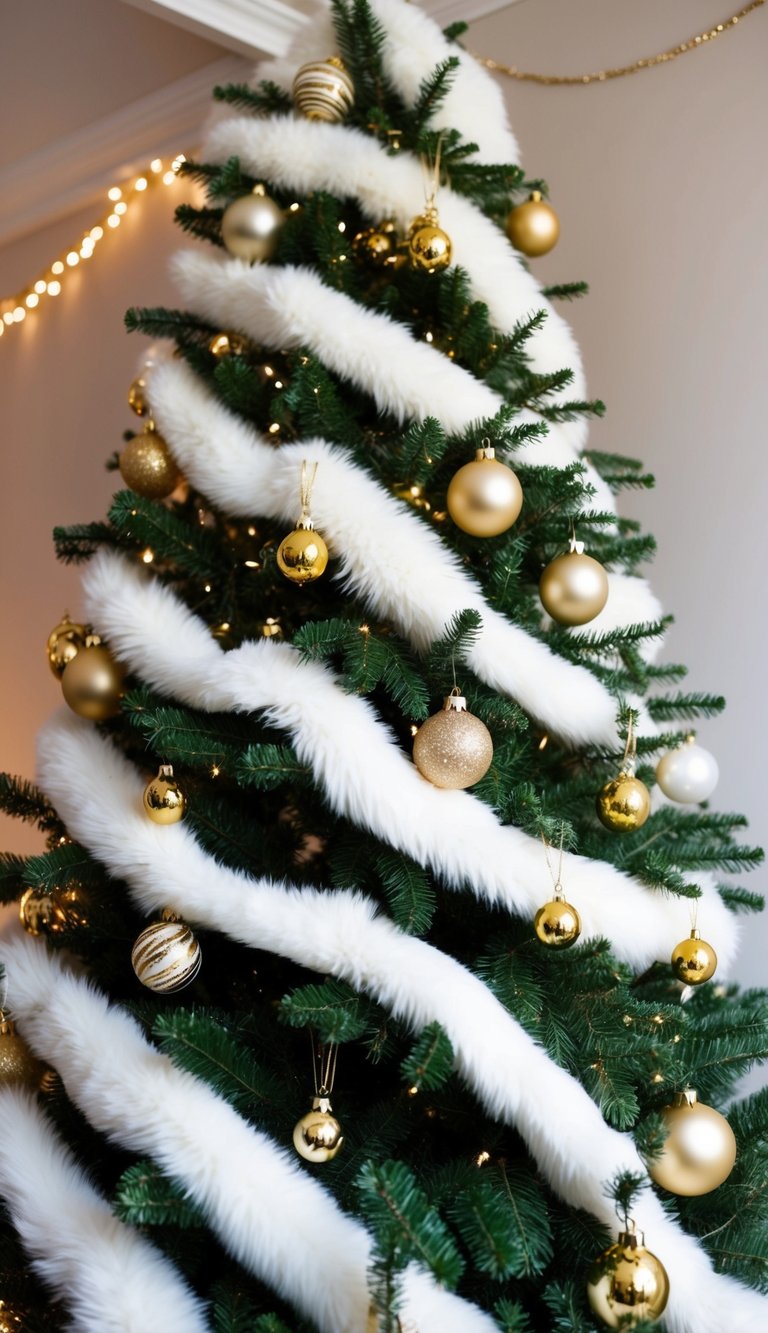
(264, 1207)
(337, 932)
(419, 585)
(107, 1274)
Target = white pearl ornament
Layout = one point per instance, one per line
(688, 774)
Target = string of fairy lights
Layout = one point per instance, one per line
(51, 281)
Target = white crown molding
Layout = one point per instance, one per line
(68, 173)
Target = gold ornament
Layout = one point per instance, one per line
(17, 1063)
(557, 923)
(453, 748)
(693, 960)
(533, 227)
(623, 804)
(303, 555)
(250, 227)
(700, 1148)
(429, 247)
(627, 1283)
(163, 800)
(148, 467)
(92, 683)
(228, 344)
(323, 90)
(61, 909)
(376, 246)
(317, 1137)
(12, 1318)
(64, 642)
(485, 496)
(166, 956)
(574, 587)
(137, 397)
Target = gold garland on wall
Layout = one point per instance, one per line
(648, 62)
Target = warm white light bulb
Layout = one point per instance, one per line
(58, 267)
(96, 233)
(113, 220)
(54, 288)
(121, 208)
(140, 183)
(40, 286)
(156, 165)
(32, 300)
(115, 193)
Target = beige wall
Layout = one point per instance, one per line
(661, 186)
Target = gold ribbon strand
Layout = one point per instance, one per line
(602, 76)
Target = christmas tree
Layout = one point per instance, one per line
(372, 786)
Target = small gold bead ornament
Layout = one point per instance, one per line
(18, 1066)
(627, 1283)
(484, 496)
(64, 643)
(148, 467)
(323, 90)
(557, 924)
(453, 748)
(137, 397)
(624, 803)
(574, 586)
(92, 682)
(163, 800)
(303, 555)
(693, 960)
(700, 1149)
(376, 246)
(166, 956)
(251, 226)
(317, 1136)
(533, 227)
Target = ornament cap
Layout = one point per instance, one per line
(686, 1097)
(7, 1026)
(695, 934)
(168, 914)
(322, 1102)
(535, 197)
(485, 451)
(305, 522)
(575, 547)
(165, 771)
(632, 1239)
(455, 701)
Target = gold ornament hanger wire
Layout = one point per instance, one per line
(557, 879)
(305, 487)
(430, 170)
(629, 762)
(604, 75)
(324, 1060)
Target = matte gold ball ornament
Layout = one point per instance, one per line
(64, 643)
(166, 956)
(623, 804)
(700, 1149)
(303, 555)
(693, 960)
(484, 496)
(453, 748)
(317, 1137)
(18, 1066)
(323, 90)
(92, 683)
(163, 799)
(148, 467)
(627, 1283)
(533, 227)
(574, 587)
(251, 225)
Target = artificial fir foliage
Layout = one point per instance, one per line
(437, 1179)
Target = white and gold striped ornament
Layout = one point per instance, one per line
(323, 90)
(166, 956)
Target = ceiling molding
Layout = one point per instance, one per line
(70, 172)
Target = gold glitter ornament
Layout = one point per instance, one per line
(303, 555)
(574, 587)
(137, 397)
(63, 908)
(700, 1148)
(92, 683)
(163, 800)
(453, 748)
(18, 1066)
(623, 804)
(533, 227)
(166, 956)
(251, 226)
(317, 1137)
(627, 1283)
(323, 90)
(64, 643)
(148, 467)
(693, 960)
(484, 496)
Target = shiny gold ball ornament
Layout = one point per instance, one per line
(376, 246)
(166, 956)
(574, 587)
(251, 225)
(137, 397)
(61, 909)
(453, 748)
(227, 344)
(12, 1318)
(18, 1065)
(557, 924)
(64, 642)
(148, 467)
(533, 227)
(317, 1137)
(627, 1283)
(700, 1148)
(323, 90)
(163, 800)
(429, 247)
(623, 804)
(693, 960)
(92, 683)
(303, 555)
(484, 496)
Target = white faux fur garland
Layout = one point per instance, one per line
(420, 585)
(266, 1209)
(110, 1277)
(337, 932)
